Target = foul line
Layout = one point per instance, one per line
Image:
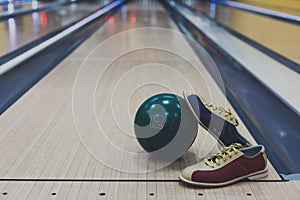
(110, 180)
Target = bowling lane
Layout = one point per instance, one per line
(17, 7)
(287, 6)
(50, 132)
(276, 35)
(10, 7)
(16, 32)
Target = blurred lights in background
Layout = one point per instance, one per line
(12, 31)
(10, 7)
(44, 18)
(111, 20)
(133, 20)
(35, 4)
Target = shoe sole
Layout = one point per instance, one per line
(201, 124)
(252, 176)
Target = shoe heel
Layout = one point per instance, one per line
(258, 176)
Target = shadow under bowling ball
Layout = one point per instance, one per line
(165, 126)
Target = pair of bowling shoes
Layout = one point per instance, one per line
(237, 160)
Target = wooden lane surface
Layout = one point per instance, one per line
(39, 138)
(276, 35)
(289, 6)
(141, 190)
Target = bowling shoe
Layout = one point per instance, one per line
(231, 164)
(219, 122)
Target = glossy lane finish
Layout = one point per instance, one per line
(16, 32)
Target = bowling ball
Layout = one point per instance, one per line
(165, 126)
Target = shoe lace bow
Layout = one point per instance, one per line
(225, 153)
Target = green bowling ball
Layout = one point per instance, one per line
(165, 126)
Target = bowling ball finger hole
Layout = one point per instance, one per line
(4, 193)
